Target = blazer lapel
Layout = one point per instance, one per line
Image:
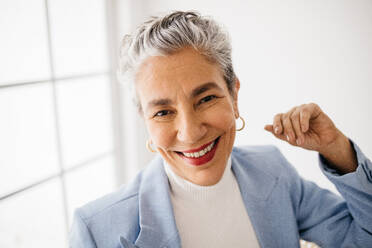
(125, 243)
(157, 224)
(156, 219)
(256, 187)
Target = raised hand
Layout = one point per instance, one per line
(307, 126)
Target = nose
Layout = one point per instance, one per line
(190, 128)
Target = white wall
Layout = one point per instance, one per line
(292, 52)
(133, 155)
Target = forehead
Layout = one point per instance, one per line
(164, 76)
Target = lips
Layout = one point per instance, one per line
(200, 148)
(201, 155)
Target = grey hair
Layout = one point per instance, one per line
(165, 35)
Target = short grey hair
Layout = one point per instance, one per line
(165, 35)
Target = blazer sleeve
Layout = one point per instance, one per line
(333, 221)
(80, 236)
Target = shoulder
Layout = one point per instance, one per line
(115, 215)
(255, 150)
(125, 198)
(112, 215)
(266, 158)
(122, 196)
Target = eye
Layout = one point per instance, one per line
(162, 113)
(207, 99)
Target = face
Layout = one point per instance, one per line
(189, 113)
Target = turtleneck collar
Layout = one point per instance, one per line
(182, 188)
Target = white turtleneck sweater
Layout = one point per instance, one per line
(211, 216)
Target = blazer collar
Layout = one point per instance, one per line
(256, 187)
(156, 219)
(254, 182)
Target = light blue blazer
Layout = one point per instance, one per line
(282, 206)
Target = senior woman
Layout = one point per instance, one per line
(202, 191)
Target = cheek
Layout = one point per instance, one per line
(161, 134)
(221, 117)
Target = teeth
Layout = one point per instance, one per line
(200, 153)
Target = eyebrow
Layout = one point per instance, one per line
(195, 92)
(203, 88)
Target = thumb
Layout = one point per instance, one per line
(269, 128)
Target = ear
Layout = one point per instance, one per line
(235, 97)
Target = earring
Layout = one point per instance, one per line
(243, 124)
(148, 145)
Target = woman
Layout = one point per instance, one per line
(202, 191)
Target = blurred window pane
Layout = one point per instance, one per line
(23, 43)
(34, 218)
(29, 144)
(78, 36)
(89, 183)
(85, 118)
(28, 138)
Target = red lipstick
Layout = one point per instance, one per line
(202, 159)
(199, 148)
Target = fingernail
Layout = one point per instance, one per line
(287, 137)
(298, 141)
(276, 130)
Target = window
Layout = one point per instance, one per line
(56, 142)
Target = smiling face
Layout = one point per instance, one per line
(189, 113)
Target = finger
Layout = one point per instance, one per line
(288, 129)
(314, 110)
(295, 119)
(305, 119)
(270, 128)
(277, 123)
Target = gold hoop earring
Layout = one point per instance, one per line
(149, 147)
(243, 124)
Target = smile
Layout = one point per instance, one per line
(200, 155)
